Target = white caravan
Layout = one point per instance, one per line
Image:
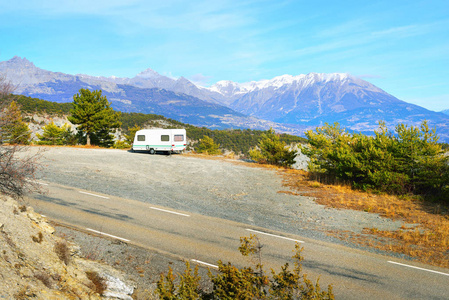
(152, 140)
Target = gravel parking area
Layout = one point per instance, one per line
(213, 187)
(217, 188)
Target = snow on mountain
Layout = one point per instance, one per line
(446, 111)
(149, 73)
(305, 100)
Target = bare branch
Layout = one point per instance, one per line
(6, 86)
(17, 172)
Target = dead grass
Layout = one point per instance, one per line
(39, 238)
(427, 241)
(63, 252)
(98, 283)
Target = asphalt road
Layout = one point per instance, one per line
(205, 240)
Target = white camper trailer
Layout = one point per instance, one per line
(152, 140)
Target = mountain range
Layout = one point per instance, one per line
(287, 103)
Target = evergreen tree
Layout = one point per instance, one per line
(272, 151)
(95, 117)
(67, 135)
(129, 138)
(410, 160)
(208, 146)
(12, 129)
(52, 135)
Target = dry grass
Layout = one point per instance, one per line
(39, 238)
(98, 283)
(63, 252)
(427, 241)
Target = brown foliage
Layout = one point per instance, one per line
(428, 240)
(98, 283)
(63, 252)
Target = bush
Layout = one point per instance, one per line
(246, 283)
(121, 145)
(272, 151)
(98, 283)
(16, 171)
(410, 160)
(208, 146)
(63, 252)
(54, 135)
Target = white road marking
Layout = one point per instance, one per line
(404, 265)
(204, 263)
(273, 235)
(169, 211)
(110, 235)
(93, 195)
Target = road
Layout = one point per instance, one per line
(205, 240)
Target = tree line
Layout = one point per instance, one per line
(239, 141)
(407, 160)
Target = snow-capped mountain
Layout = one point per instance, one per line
(446, 111)
(293, 99)
(147, 92)
(287, 103)
(314, 99)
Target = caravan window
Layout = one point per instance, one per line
(165, 138)
(141, 138)
(179, 137)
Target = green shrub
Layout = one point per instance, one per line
(121, 145)
(272, 151)
(208, 146)
(410, 160)
(245, 283)
(129, 137)
(55, 135)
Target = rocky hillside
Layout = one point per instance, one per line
(36, 264)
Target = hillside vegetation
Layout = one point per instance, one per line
(406, 161)
(240, 141)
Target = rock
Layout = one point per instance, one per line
(117, 288)
(41, 221)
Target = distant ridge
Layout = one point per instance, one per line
(288, 103)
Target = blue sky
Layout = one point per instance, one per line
(400, 46)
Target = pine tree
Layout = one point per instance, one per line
(129, 138)
(12, 129)
(52, 135)
(94, 116)
(208, 146)
(272, 151)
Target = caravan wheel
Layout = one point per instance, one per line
(152, 151)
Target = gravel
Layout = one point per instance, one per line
(217, 188)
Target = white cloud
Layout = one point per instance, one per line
(200, 79)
